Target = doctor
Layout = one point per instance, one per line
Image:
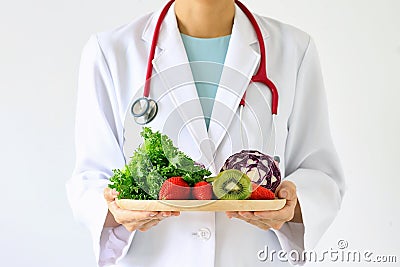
(206, 127)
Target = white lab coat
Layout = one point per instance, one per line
(112, 73)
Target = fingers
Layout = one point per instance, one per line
(287, 190)
(131, 219)
(110, 194)
(264, 222)
(157, 219)
(285, 214)
(272, 222)
(125, 216)
(175, 213)
(260, 224)
(230, 214)
(146, 226)
(251, 219)
(165, 214)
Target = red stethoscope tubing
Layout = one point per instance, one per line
(260, 76)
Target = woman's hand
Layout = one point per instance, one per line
(274, 219)
(132, 220)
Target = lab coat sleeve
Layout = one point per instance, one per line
(99, 135)
(311, 161)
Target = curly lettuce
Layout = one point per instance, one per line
(156, 160)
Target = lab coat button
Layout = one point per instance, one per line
(203, 233)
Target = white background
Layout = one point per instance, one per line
(41, 42)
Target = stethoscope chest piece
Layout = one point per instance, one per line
(144, 110)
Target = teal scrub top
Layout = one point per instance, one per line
(206, 76)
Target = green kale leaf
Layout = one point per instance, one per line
(156, 160)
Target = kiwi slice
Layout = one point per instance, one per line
(232, 185)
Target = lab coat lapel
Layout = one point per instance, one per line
(171, 63)
(241, 63)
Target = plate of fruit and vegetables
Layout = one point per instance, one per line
(159, 177)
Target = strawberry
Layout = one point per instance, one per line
(174, 188)
(260, 192)
(202, 191)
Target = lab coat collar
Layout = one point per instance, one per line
(172, 65)
(241, 60)
(241, 23)
(241, 63)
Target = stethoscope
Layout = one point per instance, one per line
(144, 109)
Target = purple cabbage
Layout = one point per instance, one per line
(261, 168)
